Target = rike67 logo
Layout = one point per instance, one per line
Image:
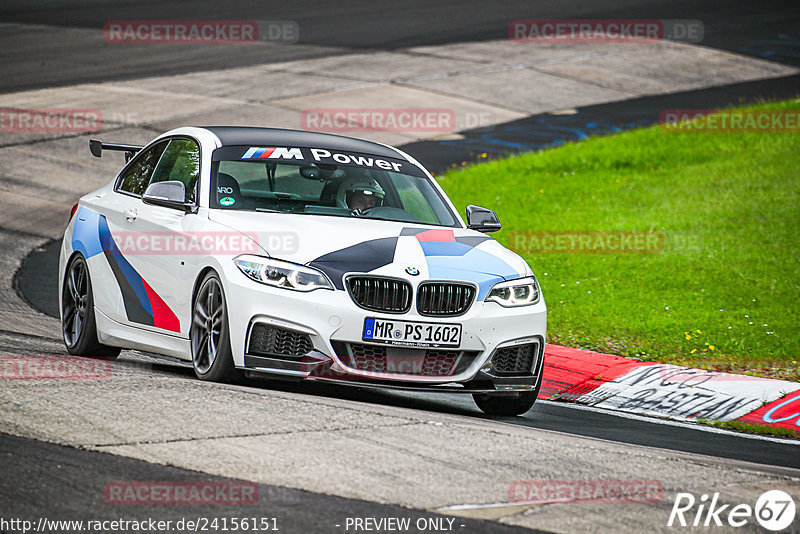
(774, 510)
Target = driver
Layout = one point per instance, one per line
(360, 194)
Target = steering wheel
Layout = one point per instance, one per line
(385, 212)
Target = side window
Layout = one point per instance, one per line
(181, 162)
(135, 178)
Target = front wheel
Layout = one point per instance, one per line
(505, 404)
(212, 357)
(78, 324)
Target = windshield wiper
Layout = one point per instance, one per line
(268, 210)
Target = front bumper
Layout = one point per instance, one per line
(318, 367)
(331, 319)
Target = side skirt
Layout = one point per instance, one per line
(112, 333)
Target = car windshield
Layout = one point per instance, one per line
(317, 181)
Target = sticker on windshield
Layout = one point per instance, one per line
(227, 201)
(321, 155)
(272, 152)
(326, 156)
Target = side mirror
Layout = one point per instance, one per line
(482, 219)
(96, 147)
(171, 194)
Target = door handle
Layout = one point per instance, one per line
(131, 215)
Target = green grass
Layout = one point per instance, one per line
(728, 206)
(752, 428)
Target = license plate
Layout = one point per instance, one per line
(412, 334)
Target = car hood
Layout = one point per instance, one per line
(339, 245)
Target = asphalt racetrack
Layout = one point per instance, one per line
(764, 29)
(349, 452)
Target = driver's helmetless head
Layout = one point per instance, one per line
(362, 194)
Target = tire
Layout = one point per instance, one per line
(78, 322)
(209, 334)
(504, 404)
(509, 405)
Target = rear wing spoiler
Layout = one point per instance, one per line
(96, 147)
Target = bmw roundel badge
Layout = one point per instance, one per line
(413, 271)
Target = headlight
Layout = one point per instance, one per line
(283, 274)
(520, 292)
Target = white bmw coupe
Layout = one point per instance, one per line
(307, 256)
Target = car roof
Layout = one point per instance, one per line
(249, 135)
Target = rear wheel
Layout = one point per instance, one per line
(78, 324)
(212, 357)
